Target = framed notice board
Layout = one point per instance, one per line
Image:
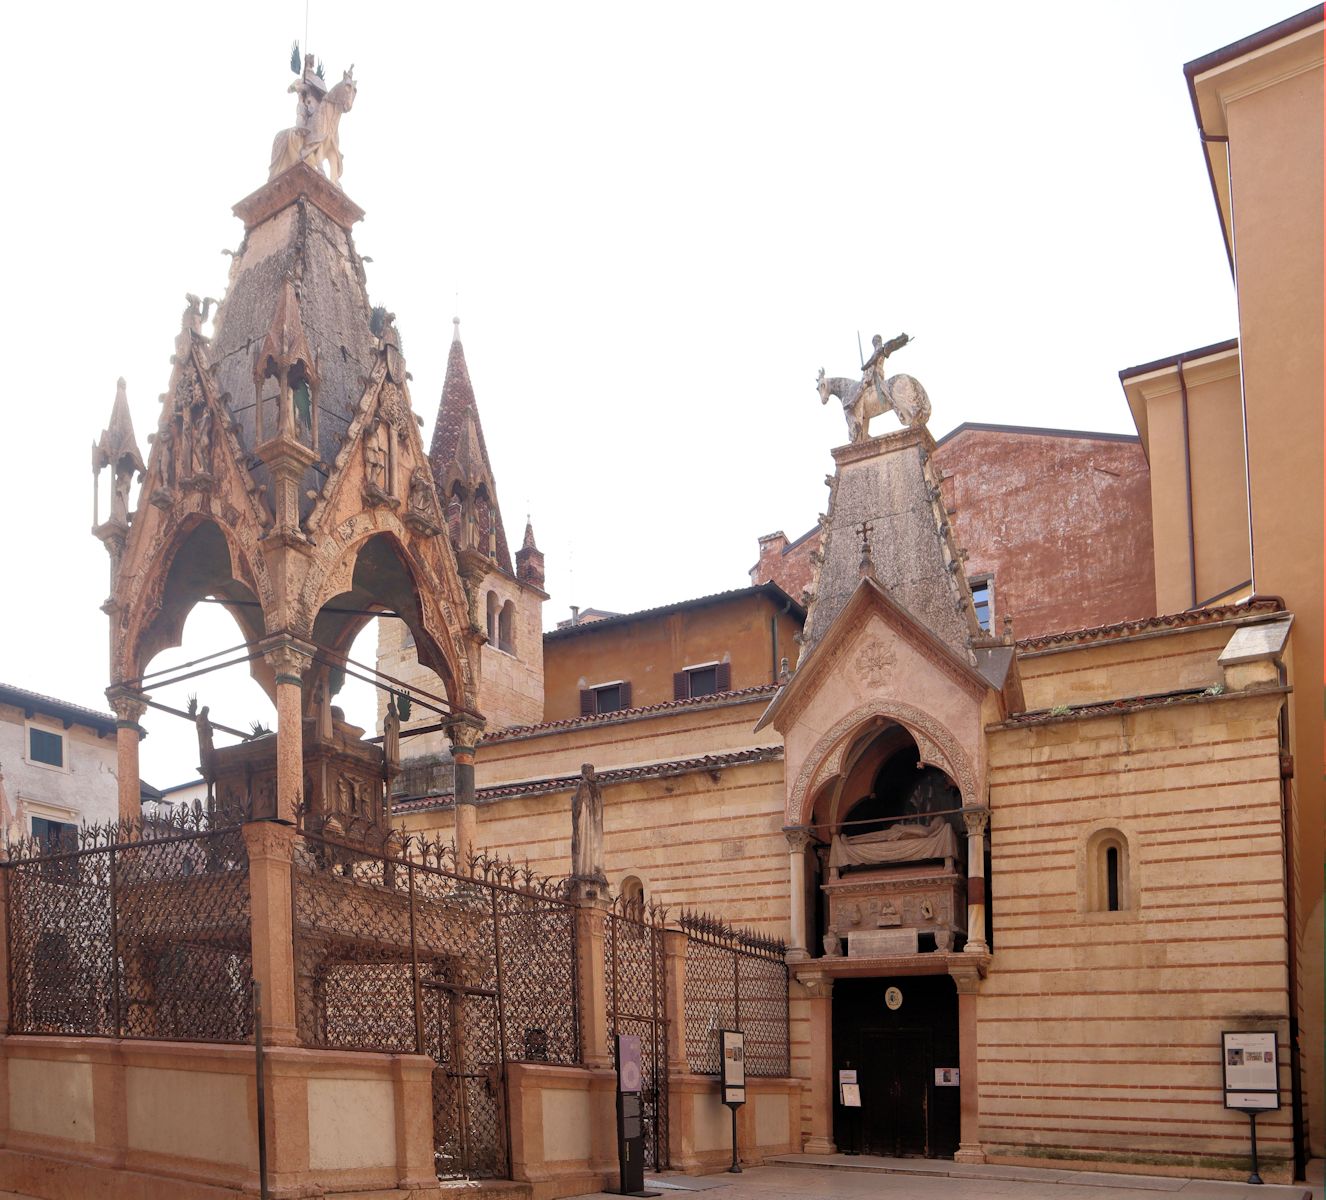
(733, 1045)
(1252, 1072)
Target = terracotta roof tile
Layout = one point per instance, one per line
(567, 783)
(712, 700)
(1183, 620)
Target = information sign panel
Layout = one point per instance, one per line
(1252, 1076)
(851, 1095)
(733, 1044)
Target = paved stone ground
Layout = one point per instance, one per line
(809, 1177)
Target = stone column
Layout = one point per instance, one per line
(967, 980)
(592, 983)
(977, 820)
(819, 989)
(798, 941)
(128, 733)
(464, 739)
(271, 926)
(674, 981)
(289, 659)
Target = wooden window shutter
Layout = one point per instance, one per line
(626, 695)
(723, 677)
(587, 705)
(681, 686)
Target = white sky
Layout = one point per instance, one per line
(656, 223)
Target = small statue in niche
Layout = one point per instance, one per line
(888, 915)
(200, 441)
(421, 495)
(120, 485)
(375, 460)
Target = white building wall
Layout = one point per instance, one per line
(83, 791)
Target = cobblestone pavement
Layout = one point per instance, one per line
(808, 1178)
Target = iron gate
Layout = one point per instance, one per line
(469, 1102)
(637, 1004)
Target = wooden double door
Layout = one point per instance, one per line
(899, 1055)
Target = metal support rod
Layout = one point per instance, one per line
(502, 1054)
(735, 1168)
(260, 1082)
(414, 969)
(1255, 1177)
(116, 1014)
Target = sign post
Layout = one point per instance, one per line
(1252, 1079)
(733, 1045)
(849, 1096)
(630, 1126)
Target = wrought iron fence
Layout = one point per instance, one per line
(634, 968)
(735, 979)
(132, 930)
(398, 948)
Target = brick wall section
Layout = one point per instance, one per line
(788, 564)
(1100, 1032)
(1062, 522)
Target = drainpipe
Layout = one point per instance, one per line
(1291, 914)
(1187, 479)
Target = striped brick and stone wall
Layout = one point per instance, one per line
(1099, 1030)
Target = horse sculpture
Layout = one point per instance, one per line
(317, 141)
(869, 397)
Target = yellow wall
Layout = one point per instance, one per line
(1100, 1032)
(1268, 102)
(646, 652)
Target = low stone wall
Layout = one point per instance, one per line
(133, 1119)
(563, 1128)
(700, 1126)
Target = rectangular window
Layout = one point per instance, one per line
(982, 595)
(706, 680)
(45, 747)
(605, 698)
(59, 834)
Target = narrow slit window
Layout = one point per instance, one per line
(1112, 878)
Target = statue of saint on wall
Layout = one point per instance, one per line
(587, 828)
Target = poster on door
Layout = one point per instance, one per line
(946, 1077)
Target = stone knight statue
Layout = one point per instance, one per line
(315, 136)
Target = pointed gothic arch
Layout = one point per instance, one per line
(200, 557)
(381, 572)
(936, 744)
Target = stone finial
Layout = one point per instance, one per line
(529, 560)
(455, 329)
(867, 565)
(117, 448)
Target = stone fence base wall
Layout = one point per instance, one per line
(135, 1119)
